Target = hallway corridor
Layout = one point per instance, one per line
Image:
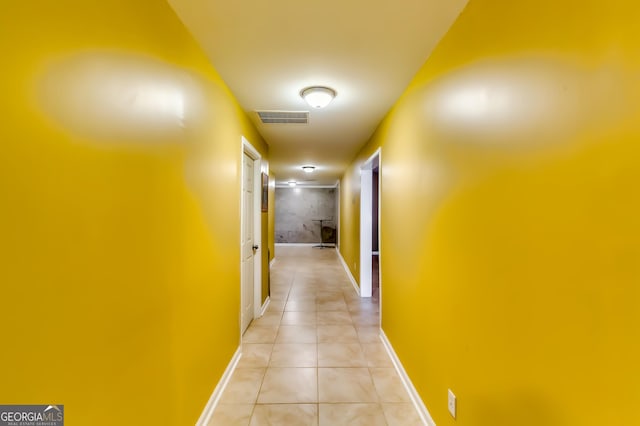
(315, 357)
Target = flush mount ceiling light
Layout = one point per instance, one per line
(308, 169)
(292, 183)
(318, 96)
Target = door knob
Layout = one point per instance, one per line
(255, 247)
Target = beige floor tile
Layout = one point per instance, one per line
(302, 295)
(350, 295)
(312, 300)
(403, 414)
(329, 296)
(306, 306)
(365, 319)
(308, 277)
(368, 334)
(353, 303)
(332, 305)
(364, 315)
(231, 415)
(243, 387)
(299, 318)
(334, 318)
(297, 334)
(345, 385)
(345, 284)
(388, 385)
(333, 282)
(337, 334)
(294, 355)
(283, 271)
(341, 355)
(289, 385)
(351, 415)
(276, 306)
(363, 305)
(301, 287)
(270, 318)
(255, 355)
(285, 415)
(260, 334)
(280, 283)
(280, 275)
(307, 270)
(278, 292)
(376, 355)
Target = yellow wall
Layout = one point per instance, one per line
(510, 251)
(120, 155)
(349, 242)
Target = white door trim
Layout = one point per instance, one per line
(252, 152)
(366, 204)
(338, 222)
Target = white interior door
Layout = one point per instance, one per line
(247, 236)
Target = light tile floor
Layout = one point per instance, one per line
(315, 357)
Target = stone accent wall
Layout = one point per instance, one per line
(296, 209)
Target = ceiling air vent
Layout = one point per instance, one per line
(284, 117)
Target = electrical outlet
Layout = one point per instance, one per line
(451, 403)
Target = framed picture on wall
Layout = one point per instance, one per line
(265, 192)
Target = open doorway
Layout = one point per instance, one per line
(369, 227)
(375, 240)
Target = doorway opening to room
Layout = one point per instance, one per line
(307, 214)
(375, 241)
(370, 227)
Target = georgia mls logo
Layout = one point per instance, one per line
(31, 415)
(52, 407)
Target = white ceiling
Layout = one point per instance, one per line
(268, 50)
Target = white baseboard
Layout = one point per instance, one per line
(413, 393)
(265, 305)
(272, 262)
(206, 415)
(348, 271)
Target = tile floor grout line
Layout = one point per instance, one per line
(331, 302)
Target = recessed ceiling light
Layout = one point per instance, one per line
(292, 183)
(308, 169)
(318, 96)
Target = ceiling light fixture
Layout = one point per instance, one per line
(318, 96)
(308, 169)
(292, 183)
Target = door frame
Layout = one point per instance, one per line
(338, 219)
(366, 222)
(252, 152)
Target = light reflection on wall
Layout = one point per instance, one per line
(105, 96)
(498, 113)
(515, 102)
(129, 102)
